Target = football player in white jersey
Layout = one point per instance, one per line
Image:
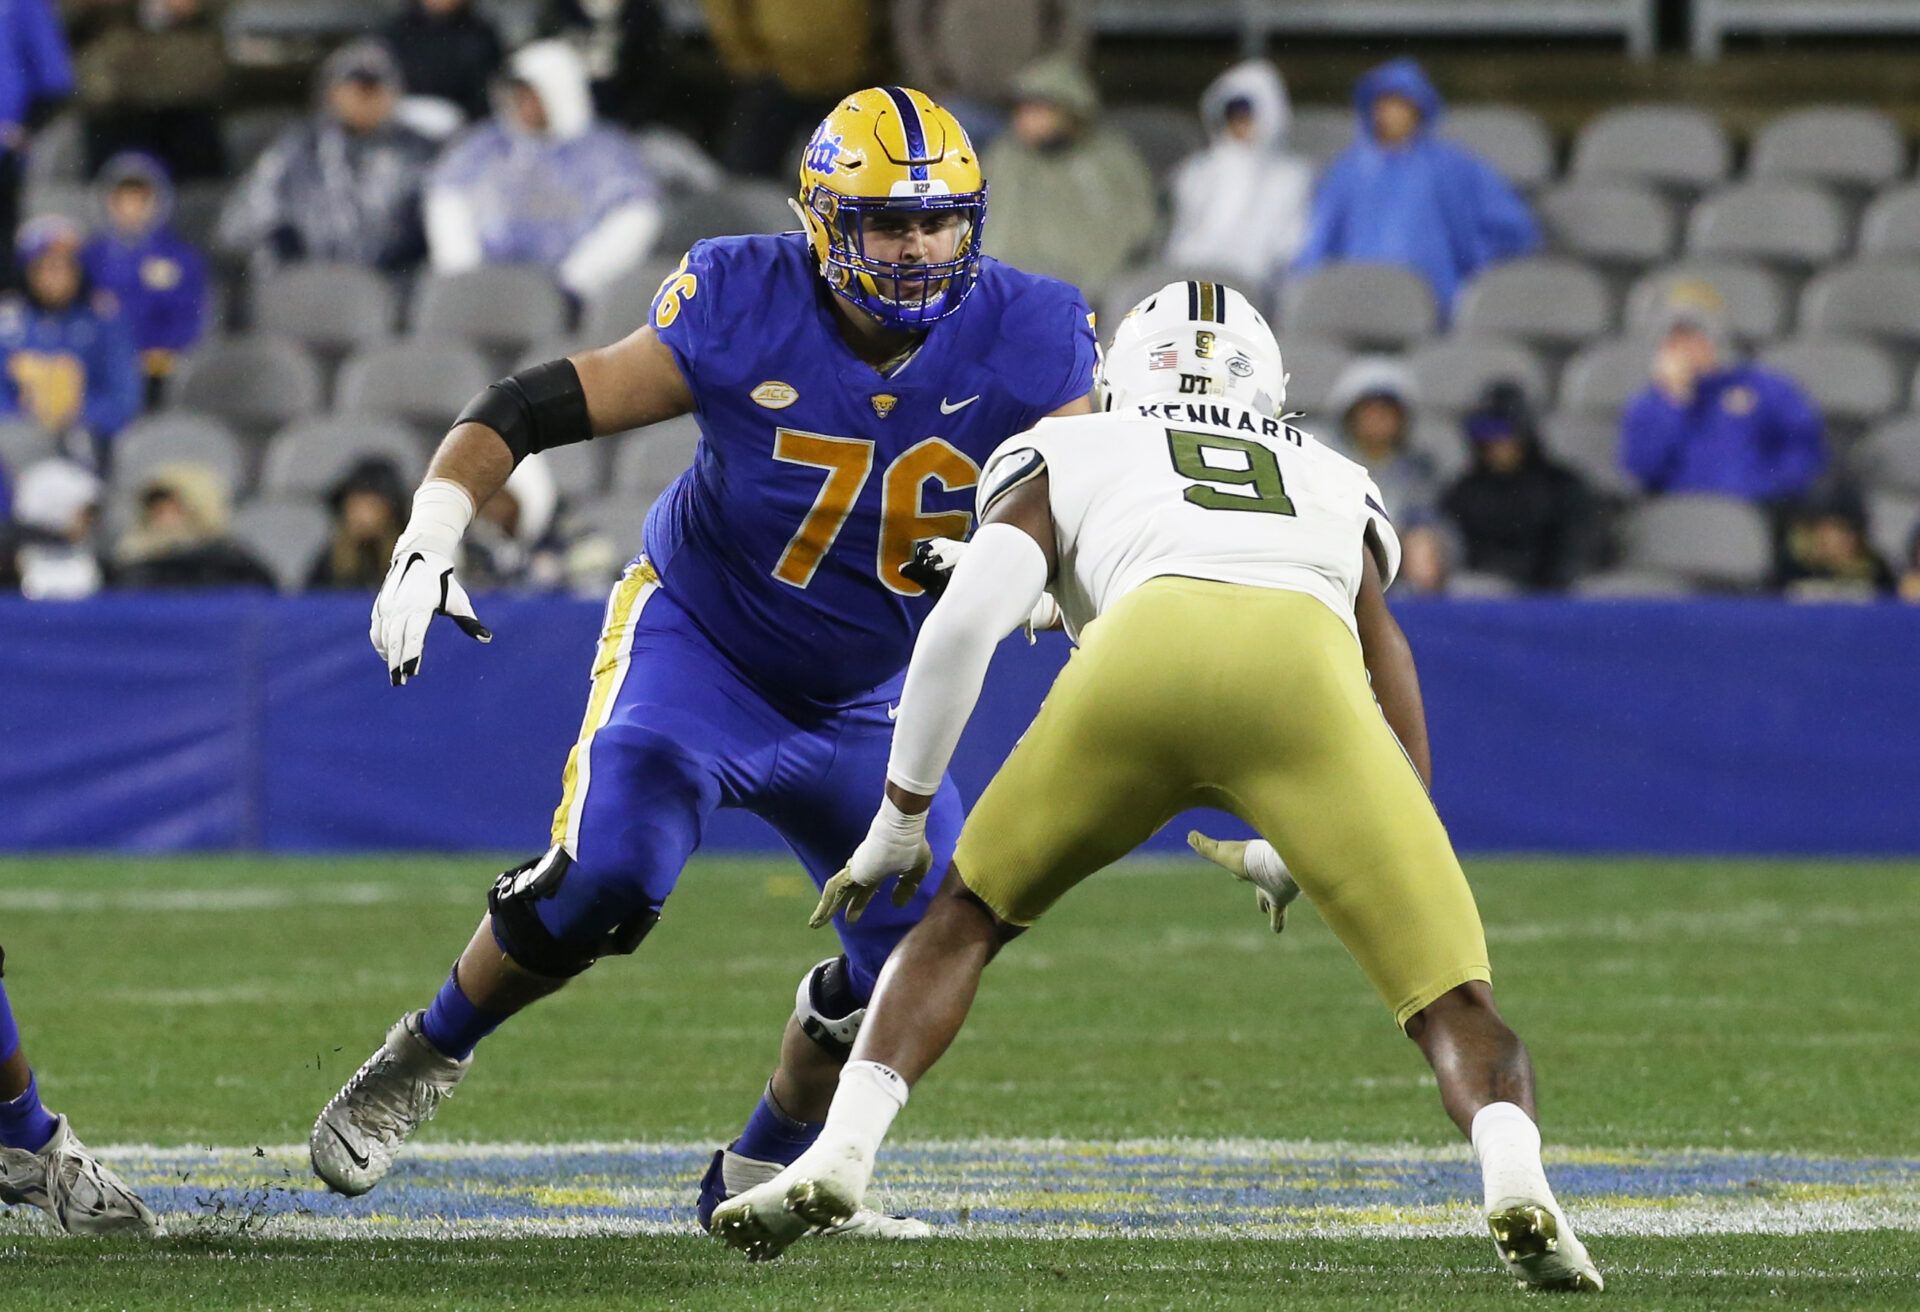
(1223, 573)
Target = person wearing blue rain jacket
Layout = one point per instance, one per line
(1400, 194)
(156, 277)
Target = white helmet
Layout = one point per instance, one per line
(1194, 339)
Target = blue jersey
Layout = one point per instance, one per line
(816, 474)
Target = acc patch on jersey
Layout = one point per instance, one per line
(774, 394)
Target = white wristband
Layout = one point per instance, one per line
(441, 512)
(891, 823)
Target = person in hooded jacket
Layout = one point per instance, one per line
(67, 361)
(36, 73)
(46, 548)
(447, 50)
(1401, 194)
(1520, 515)
(179, 539)
(345, 183)
(369, 508)
(1373, 402)
(1240, 206)
(544, 183)
(156, 277)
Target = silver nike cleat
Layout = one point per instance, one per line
(396, 1092)
(69, 1184)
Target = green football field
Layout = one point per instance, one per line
(1156, 1103)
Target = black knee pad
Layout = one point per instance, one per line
(520, 934)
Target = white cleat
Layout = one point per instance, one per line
(819, 1194)
(866, 1223)
(67, 1182)
(1540, 1249)
(396, 1092)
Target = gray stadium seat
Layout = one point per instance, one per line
(1630, 584)
(1470, 585)
(1436, 434)
(1162, 134)
(1675, 147)
(257, 382)
(1877, 298)
(171, 435)
(1510, 138)
(1756, 301)
(743, 205)
(1889, 459)
(1892, 518)
(622, 517)
(1590, 443)
(286, 535)
(549, 348)
(423, 382)
(1321, 131)
(1604, 376)
(1852, 381)
(69, 200)
(580, 468)
(21, 443)
(1610, 223)
(247, 133)
(1128, 289)
(331, 307)
(1370, 304)
(1715, 542)
(307, 457)
(196, 211)
(500, 306)
(644, 462)
(1836, 145)
(1796, 225)
(1553, 302)
(1891, 225)
(627, 305)
(1312, 365)
(1451, 373)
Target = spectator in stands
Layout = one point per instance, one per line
(1520, 515)
(1071, 198)
(155, 277)
(1827, 555)
(964, 53)
(522, 539)
(789, 64)
(369, 506)
(180, 539)
(153, 77)
(544, 183)
(1240, 206)
(447, 51)
(625, 45)
(67, 361)
(343, 185)
(1374, 400)
(1706, 425)
(35, 75)
(46, 549)
(1400, 194)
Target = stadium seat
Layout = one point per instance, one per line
(1714, 542)
(1133, 286)
(1835, 145)
(1628, 584)
(256, 383)
(1320, 131)
(1891, 225)
(1554, 303)
(1674, 147)
(21, 443)
(626, 305)
(1312, 365)
(1362, 304)
(1793, 225)
(1436, 434)
(196, 211)
(69, 200)
(332, 308)
(500, 306)
(1756, 301)
(1617, 224)
(1510, 138)
(286, 535)
(1889, 458)
(1874, 298)
(1852, 381)
(1590, 444)
(1893, 518)
(549, 348)
(622, 517)
(646, 461)
(247, 133)
(1469, 585)
(172, 435)
(1162, 134)
(743, 205)
(308, 456)
(1605, 375)
(580, 468)
(1450, 373)
(423, 382)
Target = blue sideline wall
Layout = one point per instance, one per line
(152, 724)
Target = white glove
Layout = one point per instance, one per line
(1253, 863)
(420, 582)
(896, 844)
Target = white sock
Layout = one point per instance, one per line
(1508, 1144)
(869, 1097)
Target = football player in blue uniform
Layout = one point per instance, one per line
(849, 380)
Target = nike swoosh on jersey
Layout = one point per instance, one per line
(946, 409)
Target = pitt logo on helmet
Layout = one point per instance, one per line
(891, 151)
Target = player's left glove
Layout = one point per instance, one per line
(895, 845)
(420, 585)
(1253, 863)
(933, 562)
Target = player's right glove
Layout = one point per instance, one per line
(1253, 863)
(420, 585)
(896, 844)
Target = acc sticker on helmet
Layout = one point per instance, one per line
(774, 395)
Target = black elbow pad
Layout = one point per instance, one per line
(535, 409)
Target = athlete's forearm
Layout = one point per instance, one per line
(473, 458)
